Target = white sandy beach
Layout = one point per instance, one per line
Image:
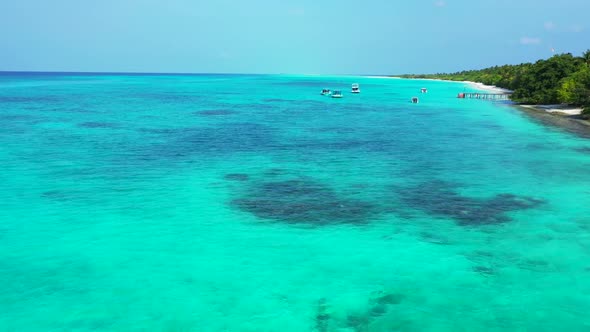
(488, 88)
(474, 85)
(557, 109)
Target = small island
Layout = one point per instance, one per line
(563, 79)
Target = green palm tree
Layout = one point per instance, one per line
(586, 57)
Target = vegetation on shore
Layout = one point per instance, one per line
(561, 79)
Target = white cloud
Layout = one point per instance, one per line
(550, 26)
(530, 41)
(440, 3)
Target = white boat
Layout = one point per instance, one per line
(356, 88)
(415, 100)
(326, 92)
(424, 90)
(337, 94)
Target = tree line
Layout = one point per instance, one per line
(561, 79)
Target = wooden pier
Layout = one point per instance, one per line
(487, 96)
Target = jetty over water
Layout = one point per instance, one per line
(489, 96)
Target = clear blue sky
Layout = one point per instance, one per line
(306, 36)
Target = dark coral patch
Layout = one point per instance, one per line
(15, 117)
(303, 201)
(277, 100)
(484, 270)
(256, 106)
(19, 99)
(57, 195)
(378, 305)
(171, 98)
(434, 238)
(93, 124)
(440, 198)
(181, 143)
(378, 310)
(310, 144)
(159, 131)
(322, 317)
(62, 195)
(237, 137)
(215, 112)
(389, 298)
(583, 150)
(276, 172)
(333, 130)
(237, 177)
(382, 303)
(534, 265)
(358, 322)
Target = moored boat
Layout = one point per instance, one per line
(415, 100)
(337, 94)
(356, 88)
(325, 92)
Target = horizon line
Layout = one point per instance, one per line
(173, 73)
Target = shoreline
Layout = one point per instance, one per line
(473, 85)
(563, 116)
(572, 123)
(484, 87)
(562, 110)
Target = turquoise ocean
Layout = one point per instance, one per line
(253, 203)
